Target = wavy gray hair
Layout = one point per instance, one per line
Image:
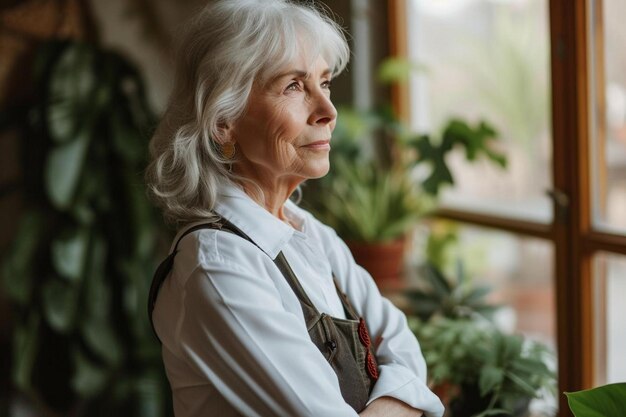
(229, 45)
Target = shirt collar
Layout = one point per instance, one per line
(266, 231)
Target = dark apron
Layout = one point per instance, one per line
(345, 343)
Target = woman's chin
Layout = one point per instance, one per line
(320, 171)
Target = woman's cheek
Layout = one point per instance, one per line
(287, 155)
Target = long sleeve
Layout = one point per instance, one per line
(236, 334)
(402, 367)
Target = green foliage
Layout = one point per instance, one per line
(605, 401)
(370, 205)
(79, 268)
(494, 370)
(399, 70)
(451, 298)
(475, 141)
(442, 237)
(374, 191)
(493, 373)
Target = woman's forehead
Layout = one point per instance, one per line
(302, 67)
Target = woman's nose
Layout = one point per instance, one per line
(324, 111)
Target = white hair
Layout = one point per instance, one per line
(227, 47)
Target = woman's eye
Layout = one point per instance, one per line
(327, 84)
(294, 86)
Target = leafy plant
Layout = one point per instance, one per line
(367, 204)
(494, 373)
(605, 401)
(377, 190)
(479, 369)
(446, 297)
(79, 268)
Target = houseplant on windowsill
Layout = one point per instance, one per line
(385, 177)
(475, 368)
(487, 372)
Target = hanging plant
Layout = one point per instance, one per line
(79, 268)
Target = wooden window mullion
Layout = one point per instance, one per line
(398, 47)
(568, 31)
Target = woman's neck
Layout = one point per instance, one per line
(275, 194)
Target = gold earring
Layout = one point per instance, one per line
(228, 150)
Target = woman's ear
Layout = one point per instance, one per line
(225, 134)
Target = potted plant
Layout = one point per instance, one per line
(377, 189)
(486, 372)
(453, 298)
(477, 369)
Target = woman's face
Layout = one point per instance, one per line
(285, 132)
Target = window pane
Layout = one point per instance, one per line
(610, 310)
(488, 60)
(608, 115)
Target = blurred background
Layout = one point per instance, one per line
(480, 150)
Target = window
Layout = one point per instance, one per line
(550, 75)
(606, 63)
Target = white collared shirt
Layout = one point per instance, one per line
(233, 332)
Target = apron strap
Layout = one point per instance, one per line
(347, 306)
(165, 267)
(292, 280)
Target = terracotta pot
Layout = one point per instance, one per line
(445, 391)
(384, 261)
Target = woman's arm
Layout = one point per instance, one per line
(389, 407)
(402, 368)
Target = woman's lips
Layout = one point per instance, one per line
(319, 145)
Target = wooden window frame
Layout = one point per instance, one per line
(571, 232)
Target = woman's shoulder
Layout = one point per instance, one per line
(210, 248)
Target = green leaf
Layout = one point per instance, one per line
(439, 283)
(512, 346)
(68, 254)
(605, 401)
(490, 377)
(96, 328)
(60, 305)
(149, 395)
(72, 85)
(522, 384)
(25, 347)
(89, 378)
(397, 70)
(100, 337)
(477, 295)
(17, 269)
(533, 366)
(63, 170)
(97, 292)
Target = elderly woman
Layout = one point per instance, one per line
(260, 308)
